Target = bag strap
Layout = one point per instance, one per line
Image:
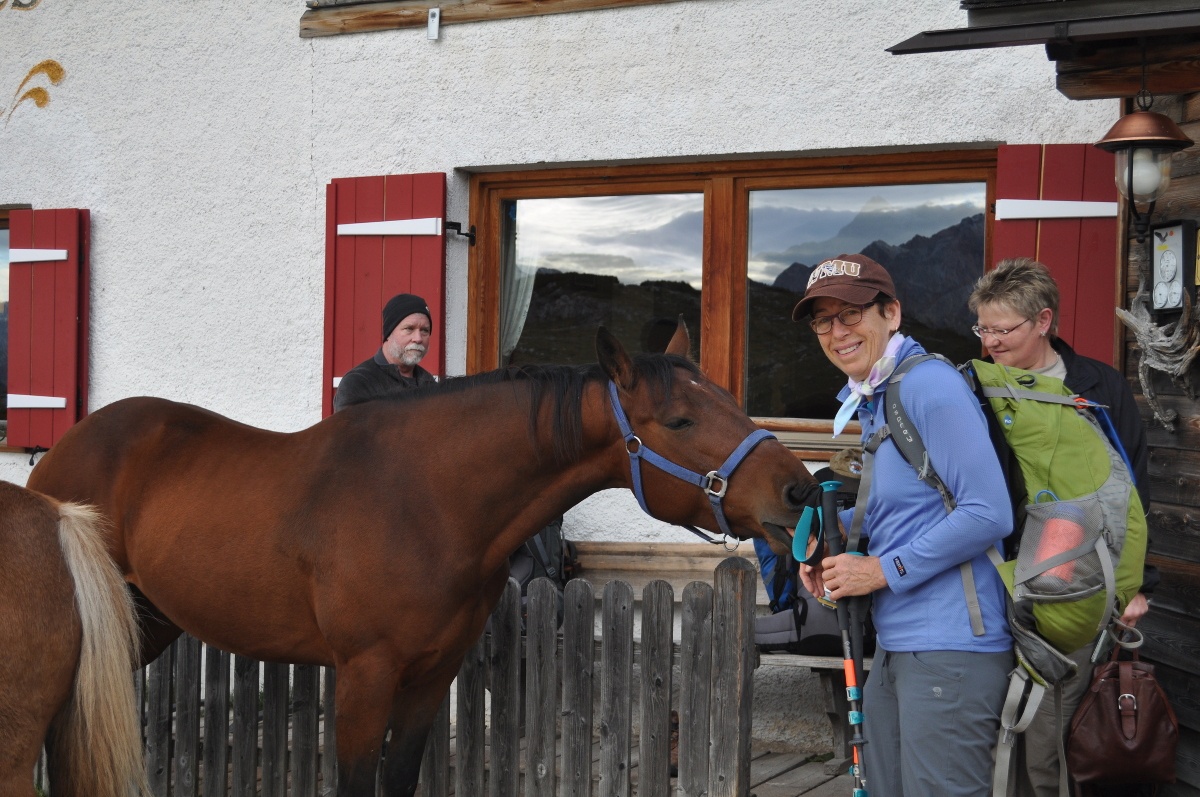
(1013, 721)
(908, 440)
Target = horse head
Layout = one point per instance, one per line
(712, 467)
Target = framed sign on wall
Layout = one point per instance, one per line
(1172, 266)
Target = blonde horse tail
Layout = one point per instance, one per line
(97, 743)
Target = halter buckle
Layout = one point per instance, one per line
(633, 445)
(711, 477)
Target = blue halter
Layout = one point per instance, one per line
(714, 483)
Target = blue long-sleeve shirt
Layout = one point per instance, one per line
(919, 545)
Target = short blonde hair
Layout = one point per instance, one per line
(1022, 284)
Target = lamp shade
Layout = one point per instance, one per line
(1143, 142)
(1144, 129)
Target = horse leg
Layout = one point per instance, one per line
(157, 632)
(413, 712)
(365, 686)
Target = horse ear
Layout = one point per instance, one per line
(614, 359)
(681, 342)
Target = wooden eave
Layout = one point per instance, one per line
(1095, 58)
(334, 17)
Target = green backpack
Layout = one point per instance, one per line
(1080, 528)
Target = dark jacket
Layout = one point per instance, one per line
(376, 378)
(1103, 384)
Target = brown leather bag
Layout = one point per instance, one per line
(1124, 730)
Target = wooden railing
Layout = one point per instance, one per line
(236, 728)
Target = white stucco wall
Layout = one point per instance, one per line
(201, 135)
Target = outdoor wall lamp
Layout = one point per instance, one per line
(1143, 142)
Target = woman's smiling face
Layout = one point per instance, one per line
(855, 349)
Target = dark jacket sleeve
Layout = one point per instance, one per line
(355, 388)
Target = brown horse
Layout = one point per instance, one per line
(69, 641)
(377, 540)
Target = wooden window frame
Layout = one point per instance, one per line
(725, 186)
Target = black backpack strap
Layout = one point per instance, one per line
(543, 556)
(904, 432)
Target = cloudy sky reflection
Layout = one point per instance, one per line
(660, 236)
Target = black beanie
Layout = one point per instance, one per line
(400, 307)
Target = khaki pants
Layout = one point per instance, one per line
(1037, 748)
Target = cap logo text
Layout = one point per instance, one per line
(833, 268)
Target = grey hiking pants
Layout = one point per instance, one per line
(931, 721)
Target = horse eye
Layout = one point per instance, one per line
(678, 424)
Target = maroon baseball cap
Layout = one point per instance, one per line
(856, 279)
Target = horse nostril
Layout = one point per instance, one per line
(796, 495)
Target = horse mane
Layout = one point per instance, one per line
(563, 385)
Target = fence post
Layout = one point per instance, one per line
(245, 727)
(274, 730)
(329, 747)
(616, 694)
(468, 732)
(504, 780)
(658, 628)
(579, 654)
(541, 688)
(159, 674)
(305, 699)
(187, 716)
(215, 762)
(695, 688)
(733, 678)
(435, 765)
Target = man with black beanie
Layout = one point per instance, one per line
(407, 326)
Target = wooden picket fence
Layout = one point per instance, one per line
(274, 721)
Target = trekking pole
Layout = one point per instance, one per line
(851, 657)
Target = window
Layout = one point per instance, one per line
(631, 263)
(929, 236)
(636, 231)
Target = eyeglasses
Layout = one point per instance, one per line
(996, 333)
(849, 317)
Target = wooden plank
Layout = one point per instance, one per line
(771, 765)
(1183, 690)
(1173, 640)
(616, 699)
(435, 766)
(328, 721)
(801, 780)
(1110, 81)
(214, 780)
(245, 727)
(1187, 757)
(504, 659)
(541, 688)
(1174, 530)
(325, 20)
(658, 623)
(1175, 477)
(733, 679)
(274, 730)
(578, 661)
(469, 738)
(159, 675)
(187, 717)
(695, 685)
(305, 728)
(1018, 176)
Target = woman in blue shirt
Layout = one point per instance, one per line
(932, 700)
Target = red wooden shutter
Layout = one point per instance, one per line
(1081, 252)
(47, 324)
(363, 271)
